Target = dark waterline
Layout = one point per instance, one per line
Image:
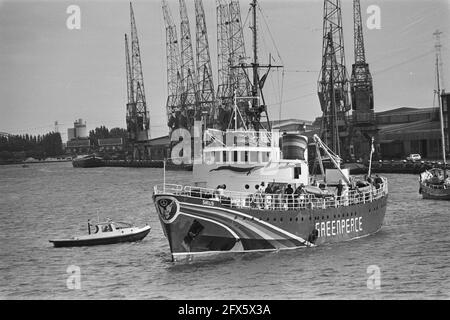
(46, 201)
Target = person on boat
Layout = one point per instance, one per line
(289, 195)
(300, 190)
(339, 190)
(268, 196)
(345, 194)
(220, 191)
(257, 197)
(435, 179)
(277, 194)
(378, 182)
(299, 194)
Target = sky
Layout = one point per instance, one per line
(50, 73)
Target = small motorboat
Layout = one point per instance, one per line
(105, 233)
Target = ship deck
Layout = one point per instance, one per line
(276, 202)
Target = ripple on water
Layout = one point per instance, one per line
(55, 200)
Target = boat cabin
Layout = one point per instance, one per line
(241, 159)
(105, 227)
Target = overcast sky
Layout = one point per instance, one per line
(49, 73)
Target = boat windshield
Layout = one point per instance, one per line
(122, 225)
(107, 228)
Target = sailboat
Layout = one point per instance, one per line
(435, 183)
(266, 200)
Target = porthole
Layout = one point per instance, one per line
(296, 219)
(302, 218)
(290, 219)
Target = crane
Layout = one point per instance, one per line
(189, 97)
(333, 85)
(138, 119)
(364, 126)
(173, 104)
(205, 86)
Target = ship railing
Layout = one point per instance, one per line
(262, 201)
(443, 186)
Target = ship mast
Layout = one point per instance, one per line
(259, 108)
(255, 56)
(441, 114)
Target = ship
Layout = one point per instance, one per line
(435, 182)
(252, 191)
(88, 161)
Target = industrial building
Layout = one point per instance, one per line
(78, 139)
(160, 148)
(403, 131)
(111, 145)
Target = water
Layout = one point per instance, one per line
(46, 201)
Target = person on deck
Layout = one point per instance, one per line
(257, 201)
(268, 197)
(378, 182)
(339, 190)
(288, 193)
(299, 194)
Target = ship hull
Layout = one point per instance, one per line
(434, 193)
(88, 162)
(130, 237)
(198, 228)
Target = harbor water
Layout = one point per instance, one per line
(411, 254)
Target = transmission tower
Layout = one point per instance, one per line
(189, 98)
(364, 126)
(205, 85)
(173, 106)
(333, 86)
(138, 121)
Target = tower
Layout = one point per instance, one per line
(333, 85)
